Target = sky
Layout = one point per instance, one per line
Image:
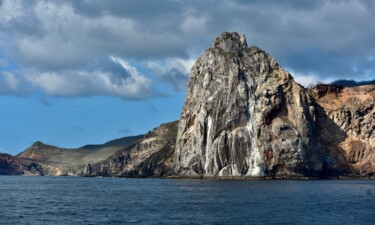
(86, 72)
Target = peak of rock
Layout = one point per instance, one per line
(38, 144)
(243, 115)
(41, 145)
(230, 42)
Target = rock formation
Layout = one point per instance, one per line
(150, 157)
(244, 115)
(10, 165)
(346, 117)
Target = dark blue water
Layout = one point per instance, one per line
(75, 200)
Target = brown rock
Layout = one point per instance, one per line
(241, 109)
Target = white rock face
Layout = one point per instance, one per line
(243, 116)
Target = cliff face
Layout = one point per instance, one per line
(10, 165)
(346, 117)
(244, 115)
(150, 157)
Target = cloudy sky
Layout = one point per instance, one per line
(79, 72)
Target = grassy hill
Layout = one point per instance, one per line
(60, 161)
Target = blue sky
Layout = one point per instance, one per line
(80, 72)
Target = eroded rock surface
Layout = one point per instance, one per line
(244, 116)
(347, 122)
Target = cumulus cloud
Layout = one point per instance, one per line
(307, 79)
(10, 10)
(326, 38)
(193, 24)
(129, 85)
(55, 43)
(172, 71)
(54, 35)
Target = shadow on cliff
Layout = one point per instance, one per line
(332, 157)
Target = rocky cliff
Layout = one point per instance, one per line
(10, 165)
(150, 157)
(346, 117)
(244, 115)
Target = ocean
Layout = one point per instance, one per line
(79, 200)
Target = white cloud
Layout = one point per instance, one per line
(10, 10)
(58, 41)
(187, 63)
(83, 83)
(307, 79)
(194, 24)
(70, 39)
(54, 35)
(173, 71)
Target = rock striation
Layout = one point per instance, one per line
(245, 116)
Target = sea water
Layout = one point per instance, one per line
(78, 200)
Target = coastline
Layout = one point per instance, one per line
(272, 178)
(217, 177)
